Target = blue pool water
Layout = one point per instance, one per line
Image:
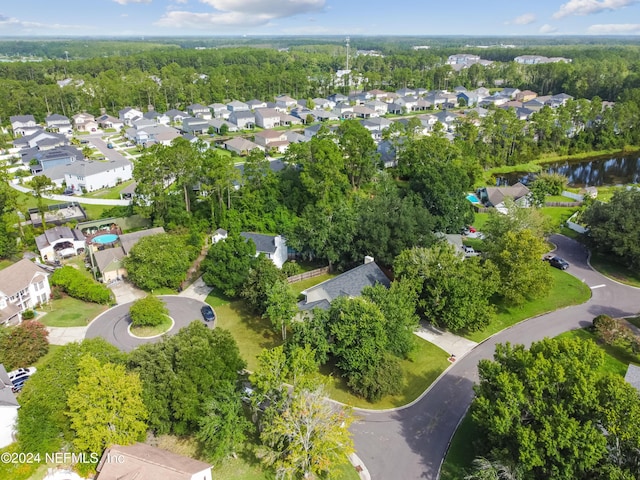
(106, 238)
(472, 198)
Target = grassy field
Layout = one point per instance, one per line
(310, 282)
(461, 452)
(480, 220)
(557, 215)
(109, 193)
(609, 267)
(4, 263)
(146, 332)
(70, 312)
(566, 290)
(424, 366)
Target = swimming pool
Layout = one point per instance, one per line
(472, 198)
(105, 238)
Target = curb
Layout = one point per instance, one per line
(360, 467)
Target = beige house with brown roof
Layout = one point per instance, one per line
(144, 462)
(495, 196)
(23, 286)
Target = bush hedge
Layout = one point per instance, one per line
(148, 312)
(76, 285)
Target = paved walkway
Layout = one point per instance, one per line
(450, 343)
(198, 290)
(126, 292)
(64, 335)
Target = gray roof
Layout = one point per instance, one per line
(83, 168)
(264, 243)
(633, 376)
(175, 113)
(58, 233)
(349, 284)
(18, 276)
(56, 117)
(244, 114)
(104, 258)
(128, 240)
(22, 118)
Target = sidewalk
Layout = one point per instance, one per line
(64, 335)
(450, 343)
(198, 290)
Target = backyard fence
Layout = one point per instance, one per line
(574, 226)
(576, 196)
(562, 204)
(310, 274)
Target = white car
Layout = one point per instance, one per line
(19, 376)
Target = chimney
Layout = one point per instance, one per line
(368, 259)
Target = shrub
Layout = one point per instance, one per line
(28, 315)
(147, 312)
(76, 285)
(291, 268)
(21, 346)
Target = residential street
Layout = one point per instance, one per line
(411, 443)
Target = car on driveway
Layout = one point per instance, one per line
(558, 262)
(208, 313)
(19, 376)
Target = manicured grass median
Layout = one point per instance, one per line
(566, 290)
(609, 267)
(70, 312)
(426, 364)
(146, 332)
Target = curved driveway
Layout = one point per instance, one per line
(411, 443)
(113, 324)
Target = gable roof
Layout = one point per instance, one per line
(264, 243)
(348, 284)
(52, 235)
(17, 276)
(22, 118)
(633, 376)
(144, 462)
(268, 113)
(128, 240)
(108, 256)
(242, 144)
(496, 195)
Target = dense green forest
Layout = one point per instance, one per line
(172, 73)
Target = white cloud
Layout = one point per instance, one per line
(181, 1)
(14, 25)
(525, 19)
(239, 13)
(546, 28)
(614, 28)
(587, 7)
(127, 2)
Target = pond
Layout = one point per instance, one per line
(594, 172)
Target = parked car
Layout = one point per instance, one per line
(207, 313)
(469, 251)
(558, 262)
(109, 145)
(19, 376)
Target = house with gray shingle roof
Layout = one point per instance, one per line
(348, 284)
(23, 285)
(23, 124)
(60, 241)
(274, 247)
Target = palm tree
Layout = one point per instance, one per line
(485, 469)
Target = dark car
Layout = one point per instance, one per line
(208, 314)
(558, 262)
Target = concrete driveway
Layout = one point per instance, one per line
(411, 443)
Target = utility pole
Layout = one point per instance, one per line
(348, 39)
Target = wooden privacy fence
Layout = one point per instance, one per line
(562, 204)
(309, 274)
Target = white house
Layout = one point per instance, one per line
(23, 124)
(129, 114)
(141, 461)
(200, 111)
(58, 123)
(91, 175)
(237, 106)
(220, 110)
(60, 242)
(244, 119)
(8, 409)
(286, 102)
(274, 247)
(272, 139)
(23, 285)
(267, 117)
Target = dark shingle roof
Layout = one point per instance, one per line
(349, 284)
(264, 243)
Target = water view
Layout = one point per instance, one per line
(590, 172)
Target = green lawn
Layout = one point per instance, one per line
(70, 312)
(566, 290)
(310, 282)
(480, 220)
(608, 266)
(558, 198)
(425, 365)
(461, 452)
(148, 331)
(558, 215)
(109, 193)
(4, 263)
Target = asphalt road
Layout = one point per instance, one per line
(411, 443)
(113, 324)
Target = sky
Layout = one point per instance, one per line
(318, 17)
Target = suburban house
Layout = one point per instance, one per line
(85, 122)
(217, 123)
(495, 196)
(109, 261)
(144, 462)
(361, 111)
(23, 124)
(244, 119)
(152, 134)
(58, 123)
(241, 146)
(46, 159)
(378, 94)
(286, 102)
(348, 284)
(633, 376)
(40, 140)
(237, 106)
(60, 242)
(107, 121)
(91, 175)
(267, 117)
(129, 114)
(8, 409)
(406, 92)
(274, 247)
(253, 104)
(176, 116)
(219, 110)
(338, 97)
(195, 126)
(525, 96)
(23, 285)
(272, 139)
(159, 118)
(377, 105)
(200, 111)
